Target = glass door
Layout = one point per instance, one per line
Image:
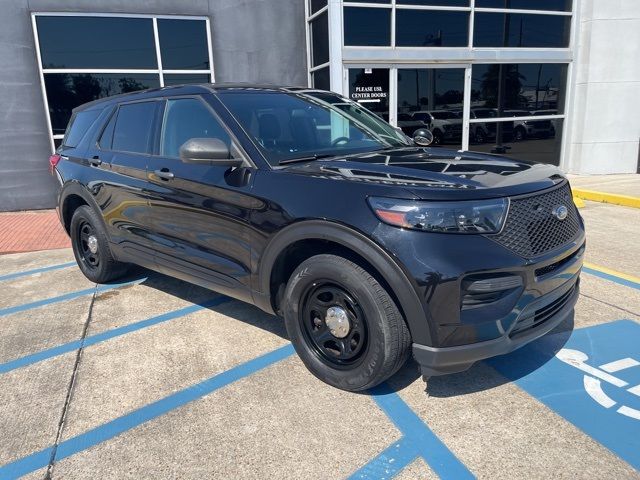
(433, 98)
(370, 88)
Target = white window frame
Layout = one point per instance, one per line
(160, 71)
(342, 57)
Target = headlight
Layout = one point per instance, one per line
(484, 216)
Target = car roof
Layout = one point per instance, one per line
(191, 89)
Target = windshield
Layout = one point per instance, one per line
(290, 125)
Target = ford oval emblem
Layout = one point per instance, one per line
(560, 212)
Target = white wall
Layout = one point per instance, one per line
(605, 112)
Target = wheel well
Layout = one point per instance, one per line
(296, 253)
(71, 203)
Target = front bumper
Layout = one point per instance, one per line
(440, 361)
(466, 325)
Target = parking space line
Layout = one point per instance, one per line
(68, 296)
(144, 414)
(389, 462)
(441, 460)
(107, 335)
(26, 273)
(612, 275)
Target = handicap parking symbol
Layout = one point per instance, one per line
(592, 380)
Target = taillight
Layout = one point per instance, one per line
(53, 161)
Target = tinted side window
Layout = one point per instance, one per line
(187, 118)
(78, 126)
(132, 132)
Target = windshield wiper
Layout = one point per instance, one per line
(310, 158)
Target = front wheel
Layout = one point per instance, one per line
(91, 247)
(343, 324)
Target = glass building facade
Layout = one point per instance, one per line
(484, 75)
(107, 54)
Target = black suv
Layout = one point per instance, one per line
(368, 243)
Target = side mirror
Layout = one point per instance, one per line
(422, 137)
(208, 151)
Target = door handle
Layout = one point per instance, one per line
(164, 174)
(95, 161)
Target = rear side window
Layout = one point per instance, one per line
(133, 127)
(187, 118)
(78, 126)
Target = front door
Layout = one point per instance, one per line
(199, 213)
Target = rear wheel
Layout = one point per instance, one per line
(343, 324)
(91, 247)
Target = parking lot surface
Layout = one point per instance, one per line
(156, 378)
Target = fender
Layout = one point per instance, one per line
(415, 314)
(76, 188)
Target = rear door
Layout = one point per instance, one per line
(199, 213)
(123, 150)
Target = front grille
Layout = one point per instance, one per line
(542, 314)
(531, 229)
(541, 272)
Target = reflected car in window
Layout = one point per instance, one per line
(445, 125)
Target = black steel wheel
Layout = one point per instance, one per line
(343, 324)
(334, 324)
(91, 247)
(88, 245)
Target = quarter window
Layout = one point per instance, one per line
(132, 132)
(188, 118)
(79, 126)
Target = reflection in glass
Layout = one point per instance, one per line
(183, 44)
(558, 5)
(519, 89)
(65, 91)
(541, 142)
(183, 78)
(320, 39)
(370, 88)
(521, 30)
(317, 5)
(438, 3)
(432, 97)
(320, 79)
(431, 28)
(367, 26)
(96, 42)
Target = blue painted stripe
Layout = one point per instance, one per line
(612, 278)
(144, 414)
(441, 460)
(109, 334)
(68, 296)
(388, 463)
(26, 273)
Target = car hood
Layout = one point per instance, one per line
(437, 173)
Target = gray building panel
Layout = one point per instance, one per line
(252, 41)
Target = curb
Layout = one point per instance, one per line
(578, 201)
(612, 198)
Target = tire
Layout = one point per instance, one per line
(378, 341)
(519, 134)
(480, 137)
(98, 266)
